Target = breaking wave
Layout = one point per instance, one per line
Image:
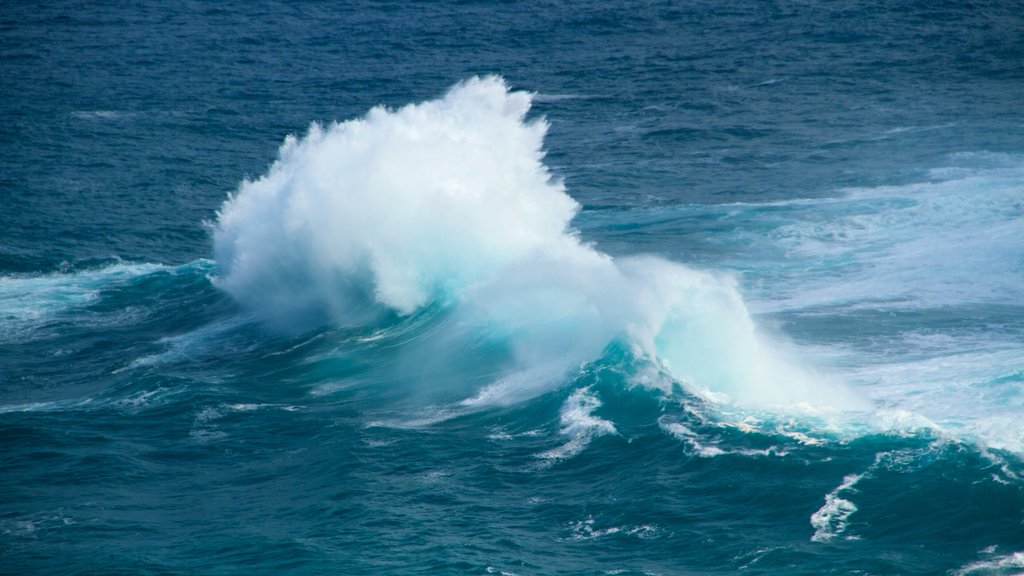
(448, 204)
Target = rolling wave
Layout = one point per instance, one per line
(448, 203)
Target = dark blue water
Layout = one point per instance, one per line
(599, 289)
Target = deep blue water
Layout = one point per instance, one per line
(615, 288)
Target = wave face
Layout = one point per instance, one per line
(685, 290)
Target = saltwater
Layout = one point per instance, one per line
(512, 288)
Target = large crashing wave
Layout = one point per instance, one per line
(448, 203)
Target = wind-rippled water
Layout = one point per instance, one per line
(518, 288)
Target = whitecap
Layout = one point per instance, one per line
(1008, 565)
(584, 530)
(830, 521)
(580, 424)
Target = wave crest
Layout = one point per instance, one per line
(393, 210)
(449, 202)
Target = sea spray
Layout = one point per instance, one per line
(393, 210)
(448, 203)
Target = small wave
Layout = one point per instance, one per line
(886, 134)
(681, 432)
(28, 302)
(52, 406)
(103, 114)
(499, 572)
(708, 448)
(147, 399)
(518, 385)
(31, 526)
(191, 344)
(539, 97)
(428, 416)
(951, 240)
(1009, 565)
(205, 422)
(579, 423)
(128, 403)
(584, 530)
(500, 435)
(830, 520)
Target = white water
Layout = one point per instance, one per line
(955, 238)
(927, 282)
(448, 202)
(29, 302)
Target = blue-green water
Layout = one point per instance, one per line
(605, 289)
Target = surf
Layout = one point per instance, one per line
(449, 203)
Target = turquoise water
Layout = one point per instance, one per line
(513, 288)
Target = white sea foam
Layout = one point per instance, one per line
(146, 399)
(190, 344)
(52, 406)
(831, 519)
(558, 97)
(972, 394)
(953, 239)
(925, 281)
(707, 447)
(102, 114)
(682, 432)
(584, 530)
(1009, 565)
(448, 202)
(580, 424)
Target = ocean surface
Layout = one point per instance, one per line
(513, 288)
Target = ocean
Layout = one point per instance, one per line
(513, 288)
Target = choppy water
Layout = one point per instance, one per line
(531, 288)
